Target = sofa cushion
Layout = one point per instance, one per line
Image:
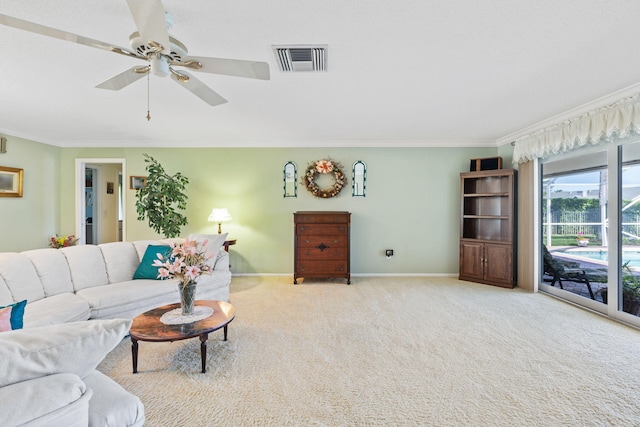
(222, 261)
(141, 246)
(86, 265)
(61, 308)
(21, 277)
(120, 259)
(14, 313)
(213, 244)
(146, 270)
(172, 241)
(106, 301)
(214, 286)
(75, 348)
(52, 400)
(112, 405)
(5, 293)
(53, 270)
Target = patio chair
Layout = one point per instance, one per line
(565, 270)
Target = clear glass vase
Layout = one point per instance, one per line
(187, 297)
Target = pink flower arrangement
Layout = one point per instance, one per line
(187, 262)
(58, 242)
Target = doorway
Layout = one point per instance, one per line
(100, 202)
(90, 204)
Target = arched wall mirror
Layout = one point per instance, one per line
(290, 177)
(359, 181)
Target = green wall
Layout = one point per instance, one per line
(27, 222)
(412, 202)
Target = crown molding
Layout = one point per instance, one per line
(266, 144)
(570, 114)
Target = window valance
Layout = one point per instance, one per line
(602, 125)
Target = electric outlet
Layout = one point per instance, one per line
(389, 253)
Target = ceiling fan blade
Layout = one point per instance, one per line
(32, 27)
(123, 79)
(229, 67)
(199, 89)
(151, 22)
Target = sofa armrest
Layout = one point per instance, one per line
(59, 399)
(222, 261)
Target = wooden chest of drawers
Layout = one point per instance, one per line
(321, 245)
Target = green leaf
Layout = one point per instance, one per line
(161, 199)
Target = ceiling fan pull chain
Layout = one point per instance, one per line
(148, 114)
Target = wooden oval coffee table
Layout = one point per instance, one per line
(148, 327)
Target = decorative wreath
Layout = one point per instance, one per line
(324, 167)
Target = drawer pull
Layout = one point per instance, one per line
(322, 247)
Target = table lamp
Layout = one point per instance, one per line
(219, 215)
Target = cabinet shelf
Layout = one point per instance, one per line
(486, 240)
(485, 217)
(486, 195)
(487, 227)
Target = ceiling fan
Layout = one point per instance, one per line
(162, 52)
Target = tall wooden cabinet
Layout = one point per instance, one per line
(322, 245)
(488, 227)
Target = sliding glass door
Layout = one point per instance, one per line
(628, 297)
(574, 228)
(590, 228)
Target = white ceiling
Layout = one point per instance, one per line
(400, 72)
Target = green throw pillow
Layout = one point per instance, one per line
(147, 271)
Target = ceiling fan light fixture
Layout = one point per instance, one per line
(160, 65)
(145, 48)
(153, 44)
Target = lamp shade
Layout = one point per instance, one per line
(219, 215)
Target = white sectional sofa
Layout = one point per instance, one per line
(49, 377)
(94, 282)
(75, 287)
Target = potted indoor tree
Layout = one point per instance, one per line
(161, 199)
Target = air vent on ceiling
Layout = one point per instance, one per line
(301, 57)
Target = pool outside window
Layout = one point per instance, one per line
(594, 196)
(574, 217)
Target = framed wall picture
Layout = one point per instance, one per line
(109, 187)
(10, 182)
(136, 182)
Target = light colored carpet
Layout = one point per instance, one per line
(392, 351)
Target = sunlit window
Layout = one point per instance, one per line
(574, 227)
(590, 229)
